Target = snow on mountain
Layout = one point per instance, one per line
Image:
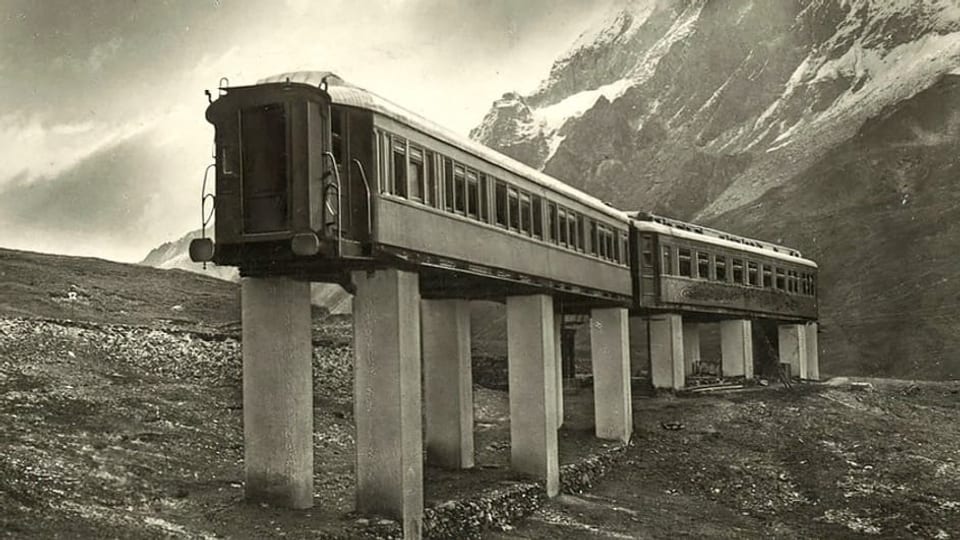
(825, 124)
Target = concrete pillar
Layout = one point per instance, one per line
(448, 383)
(813, 352)
(691, 347)
(610, 353)
(736, 348)
(666, 351)
(793, 348)
(531, 354)
(277, 391)
(386, 348)
(558, 360)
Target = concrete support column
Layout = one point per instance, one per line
(531, 354)
(387, 402)
(736, 348)
(448, 383)
(610, 353)
(691, 346)
(793, 348)
(277, 391)
(666, 351)
(558, 360)
(813, 352)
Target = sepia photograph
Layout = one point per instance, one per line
(493, 269)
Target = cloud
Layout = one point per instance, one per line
(44, 150)
(103, 52)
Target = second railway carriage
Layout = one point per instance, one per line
(316, 177)
(683, 266)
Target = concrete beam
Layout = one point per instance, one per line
(558, 360)
(813, 352)
(666, 351)
(793, 348)
(691, 347)
(448, 383)
(736, 348)
(531, 353)
(610, 353)
(387, 399)
(277, 391)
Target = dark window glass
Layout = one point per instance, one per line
(666, 261)
(473, 195)
(448, 184)
(781, 282)
(647, 251)
(501, 202)
(460, 184)
(399, 167)
(572, 223)
(415, 174)
(484, 199)
(767, 277)
(430, 197)
(721, 268)
(753, 274)
(581, 241)
(263, 136)
(562, 224)
(594, 238)
(552, 222)
(686, 262)
(703, 265)
(526, 211)
(537, 217)
(514, 208)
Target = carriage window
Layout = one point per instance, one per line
(525, 213)
(552, 222)
(484, 199)
(514, 208)
(460, 185)
(399, 167)
(686, 263)
(581, 241)
(625, 240)
(738, 271)
(593, 237)
(703, 265)
(430, 173)
(767, 277)
(501, 204)
(753, 274)
(415, 173)
(538, 217)
(721, 268)
(792, 282)
(562, 225)
(647, 251)
(666, 261)
(572, 224)
(473, 195)
(781, 280)
(448, 184)
(616, 246)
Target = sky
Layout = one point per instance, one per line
(103, 140)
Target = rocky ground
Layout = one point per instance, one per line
(120, 416)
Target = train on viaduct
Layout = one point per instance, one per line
(317, 180)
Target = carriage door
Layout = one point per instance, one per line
(648, 269)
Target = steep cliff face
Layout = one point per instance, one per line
(828, 125)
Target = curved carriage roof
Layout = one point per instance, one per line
(344, 93)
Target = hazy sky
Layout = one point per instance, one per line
(114, 81)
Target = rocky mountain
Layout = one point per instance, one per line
(826, 124)
(176, 254)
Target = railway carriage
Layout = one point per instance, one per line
(684, 266)
(316, 177)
